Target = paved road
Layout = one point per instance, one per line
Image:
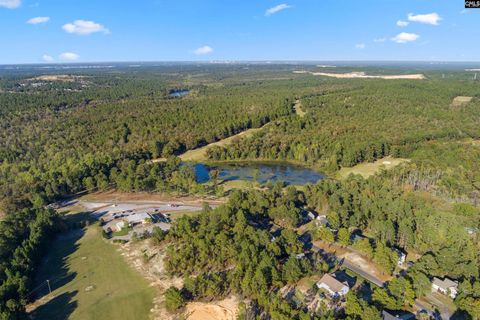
(370, 277)
(357, 269)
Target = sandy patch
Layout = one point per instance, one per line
(220, 310)
(147, 259)
(460, 101)
(363, 75)
(58, 77)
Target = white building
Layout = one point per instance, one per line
(402, 257)
(321, 220)
(334, 287)
(445, 286)
(138, 218)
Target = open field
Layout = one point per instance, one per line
(90, 280)
(460, 101)
(368, 169)
(201, 153)
(363, 75)
(58, 77)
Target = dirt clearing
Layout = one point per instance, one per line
(363, 75)
(460, 101)
(220, 310)
(147, 259)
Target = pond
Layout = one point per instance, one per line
(178, 93)
(262, 172)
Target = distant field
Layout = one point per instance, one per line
(368, 169)
(460, 101)
(201, 153)
(91, 280)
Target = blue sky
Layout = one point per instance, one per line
(35, 31)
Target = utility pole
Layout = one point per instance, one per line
(49, 289)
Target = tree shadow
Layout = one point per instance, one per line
(59, 308)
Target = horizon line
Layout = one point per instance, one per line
(229, 61)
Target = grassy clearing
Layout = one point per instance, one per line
(90, 280)
(298, 109)
(201, 153)
(368, 169)
(122, 232)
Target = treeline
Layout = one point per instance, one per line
(24, 237)
(129, 173)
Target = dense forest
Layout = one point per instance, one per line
(55, 142)
(24, 236)
(233, 249)
(96, 130)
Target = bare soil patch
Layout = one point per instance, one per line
(147, 259)
(363, 75)
(460, 101)
(220, 310)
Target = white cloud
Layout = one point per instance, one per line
(10, 4)
(401, 23)
(69, 56)
(38, 20)
(360, 46)
(405, 37)
(47, 58)
(84, 27)
(277, 9)
(380, 40)
(203, 50)
(429, 18)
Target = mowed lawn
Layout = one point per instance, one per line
(91, 280)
